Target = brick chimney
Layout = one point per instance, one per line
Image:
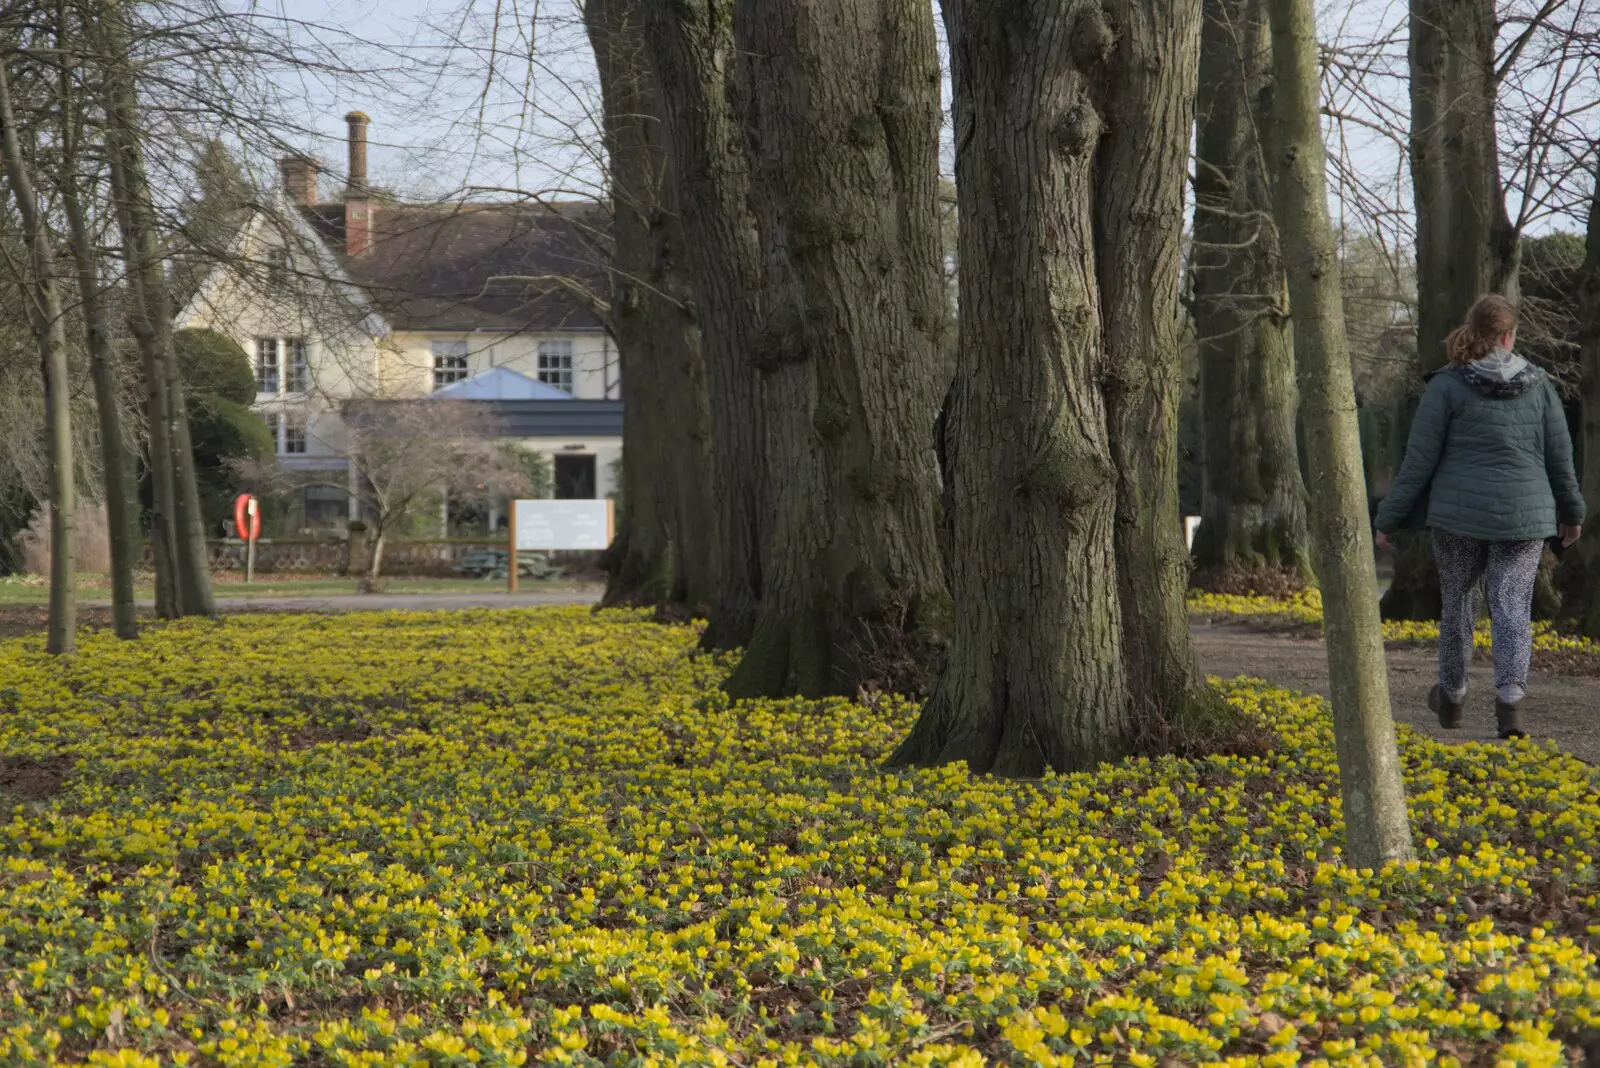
(300, 178)
(357, 202)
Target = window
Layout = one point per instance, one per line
(449, 362)
(298, 378)
(273, 421)
(267, 365)
(277, 267)
(555, 364)
(294, 435)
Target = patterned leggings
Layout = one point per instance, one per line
(1513, 566)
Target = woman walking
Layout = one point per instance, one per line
(1490, 461)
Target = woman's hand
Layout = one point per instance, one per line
(1381, 542)
(1570, 533)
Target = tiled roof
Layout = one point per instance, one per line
(501, 267)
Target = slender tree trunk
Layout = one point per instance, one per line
(1036, 677)
(691, 51)
(1376, 824)
(158, 448)
(1143, 164)
(1253, 513)
(114, 460)
(1579, 574)
(375, 561)
(1466, 245)
(149, 291)
(663, 550)
(843, 136)
(44, 309)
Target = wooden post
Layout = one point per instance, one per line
(611, 521)
(250, 542)
(511, 561)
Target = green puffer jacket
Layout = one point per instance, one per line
(1489, 456)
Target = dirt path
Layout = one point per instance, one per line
(1565, 710)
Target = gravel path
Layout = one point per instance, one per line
(1562, 709)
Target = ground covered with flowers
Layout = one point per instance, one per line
(539, 837)
(1304, 609)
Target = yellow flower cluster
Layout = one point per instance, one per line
(501, 838)
(1306, 609)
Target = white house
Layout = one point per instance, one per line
(362, 298)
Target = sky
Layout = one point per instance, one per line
(450, 109)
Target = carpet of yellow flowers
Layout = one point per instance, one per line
(1306, 609)
(543, 837)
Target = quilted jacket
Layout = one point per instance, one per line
(1489, 456)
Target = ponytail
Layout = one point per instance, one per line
(1490, 318)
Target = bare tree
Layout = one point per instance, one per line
(406, 457)
(115, 465)
(1376, 824)
(664, 540)
(1254, 510)
(44, 312)
(690, 43)
(1069, 176)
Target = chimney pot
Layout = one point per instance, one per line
(358, 207)
(300, 178)
(358, 123)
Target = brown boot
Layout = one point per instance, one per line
(1448, 711)
(1509, 721)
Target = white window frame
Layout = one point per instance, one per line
(297, 368)
(556, 364)
(274, 421)
(277, 267)
(450, 363)
(264, 347)
(295, 432)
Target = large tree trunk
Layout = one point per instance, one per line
(1579, 574)
(148, 295)
(691, 50)
(44, 309)
(1466, 245)
(1253, 514)
(663, 551)
(843, 138)
(1036, 677)
(116, 468)
(1376, 825)
(1143, 164)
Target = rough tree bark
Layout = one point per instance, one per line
(663, 551)
(1036, 676)
(1376, 825)
(44, 310)
(691, 52)
(1466, 245)
(842, 133)
(150, 310)
(1579, 574)
(1253, 513)
(1143, 163)
(116, 468)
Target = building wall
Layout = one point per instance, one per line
(408, 360)
(606, 452)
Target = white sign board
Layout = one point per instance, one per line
(562, 525)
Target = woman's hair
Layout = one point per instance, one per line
(1490, 318)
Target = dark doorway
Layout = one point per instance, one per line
(574, 478)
